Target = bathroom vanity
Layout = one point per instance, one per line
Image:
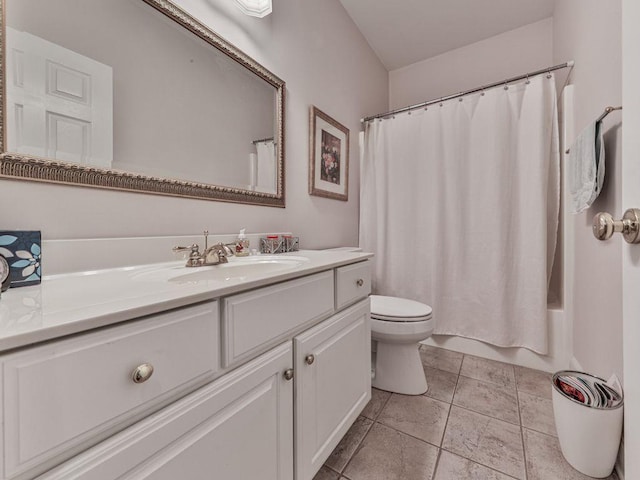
(168, 372)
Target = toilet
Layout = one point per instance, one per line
(397, 327)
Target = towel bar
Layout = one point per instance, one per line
(606, 112)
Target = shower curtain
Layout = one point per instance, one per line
(459, 202)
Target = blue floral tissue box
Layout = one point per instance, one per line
(22, 250)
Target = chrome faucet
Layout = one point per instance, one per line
(213, 255)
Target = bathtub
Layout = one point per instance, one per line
(558, 358)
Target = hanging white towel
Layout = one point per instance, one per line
(266, 167)
(586, 167)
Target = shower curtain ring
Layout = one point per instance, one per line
(527, 81)
(441, 101)
(549, 74)
(506, 87)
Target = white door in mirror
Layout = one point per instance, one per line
(59, 103)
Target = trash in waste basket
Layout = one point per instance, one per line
(588, 414)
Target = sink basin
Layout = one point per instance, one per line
(242, 268)
(238, 268)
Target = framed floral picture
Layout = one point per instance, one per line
(328, 157)
(22, 251)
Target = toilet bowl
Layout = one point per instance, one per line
(397, 325)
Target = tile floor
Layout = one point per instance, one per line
(480, 420)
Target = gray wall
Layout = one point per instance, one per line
(502, 56)
(317, 50)
(589, 31)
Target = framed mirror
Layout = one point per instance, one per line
(137, 95)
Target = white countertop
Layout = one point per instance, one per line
(77, 302)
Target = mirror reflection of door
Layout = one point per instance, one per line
(59, 103)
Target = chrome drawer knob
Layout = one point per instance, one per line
(309, 359)
(288, 374)
(142, 373)
(360, 282)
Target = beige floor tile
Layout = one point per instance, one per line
(545, 460)
(326, 474)
(374, 407)
(487, 398)
(485, 440)
(441, 359)
(488, 370)
(386, 454)
(533, 382)
(419, 416)
(453, 467)
(349, 443)
(442, 384)
(536, 413)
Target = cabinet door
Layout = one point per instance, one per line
(332, 385)
(238, 427)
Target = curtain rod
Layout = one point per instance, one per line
(461, 94)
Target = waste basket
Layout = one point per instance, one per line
(588, 415)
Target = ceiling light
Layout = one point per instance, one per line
(255, 8)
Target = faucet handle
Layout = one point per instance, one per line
(223, 248)
(193, 248)
(195, 259)
(230, 248)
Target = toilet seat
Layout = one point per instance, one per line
(394, 309)
(401, 332)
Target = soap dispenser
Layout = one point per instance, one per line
(242, 244)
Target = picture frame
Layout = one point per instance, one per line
(328, 157)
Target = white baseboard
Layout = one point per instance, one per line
(574, 364)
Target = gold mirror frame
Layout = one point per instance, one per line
(24, 167)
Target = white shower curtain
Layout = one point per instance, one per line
(460, 205)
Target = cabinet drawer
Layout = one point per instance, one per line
(353, 283)
(62, 397)
(258, 318)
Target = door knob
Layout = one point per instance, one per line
(604, 226)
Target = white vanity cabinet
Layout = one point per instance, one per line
(262, 383)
